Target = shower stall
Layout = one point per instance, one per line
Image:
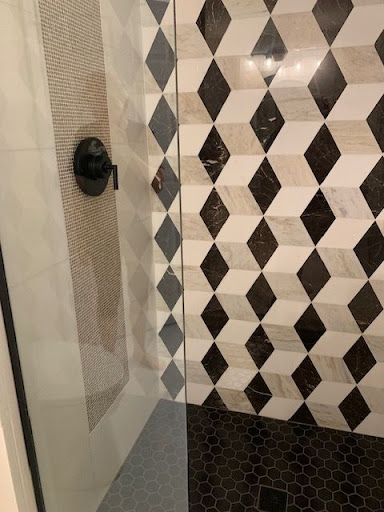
(192, 252)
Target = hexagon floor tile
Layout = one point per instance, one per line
(233, 455)
(154, 476)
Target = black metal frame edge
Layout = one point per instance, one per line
(19, 384)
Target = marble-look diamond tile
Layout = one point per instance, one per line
(241, 36)
(261, 297)
(264, 185)
(299, 31)
(237, 282)
(296, 104)
(166, 184)
(354, 137)
(270, 4)
(192, 110)
(259, 347)
(172, 335)
(354, 409)
(214, 317)
(376, 122)
(379, 45)
(238, 200)
(214, 90)
(322, 154)
(270, 51)
(306, 377)
(318, 217)
(362, 28)
(365, 307)
(359, 360)
(258, 393)
(214, 363)
(214, 213)
(163, 124)
(310, 328)
(214, 154)
(173, 380)
(347, 202)
(214, 267)
(245, 9)
(240, 106)
(331, 16)
(313, 275)
(262, 243)
(158, 8)
(161, 60)
(359, 64)
(213, 22)
(327, 84)
(170, 288)
(240, 139)
(241, 72)
(372, 188)
(168, 238)
(267, 121)
(286, 286)
(370, 250)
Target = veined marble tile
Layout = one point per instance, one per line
(245, 8)
(241, 72)
(360, 64)
(236, 379)
(296, 104)
(299, 31)
(238, 256)
(240, 139)
(354, 137)
(192, 109)
(362, 27)
(281, 385)
(236, 400)
(281, 408)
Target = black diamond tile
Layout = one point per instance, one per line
(258, 393)
(214, 317)
(317, 217)
(310, 328)
(168, 238)
(380, 46)
(331, 16)
(214, 401)
(322, 154)
(270, 4)
(170, 288)
(259, 347)
(370, 250)
(214, 363)
(264, 185)
(214, 155)
(214, 213)
(303, 416)
(354, 409)
(359, 360)
(327, 84)
(376, 123)
(161, 60)
(166, 184)
(213, 22)
(172, 335)
(163, 124)
(158, 8)
(214, 90)
(365, 307)
(313, 275)
(261, 297)
(214, 267)
(373, 188)
(173, 380)
(267, 121)
(306, 377)
(270, 49)
(262, 243)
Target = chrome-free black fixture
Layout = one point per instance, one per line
(93, 167)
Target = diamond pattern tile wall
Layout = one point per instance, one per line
(284, 289)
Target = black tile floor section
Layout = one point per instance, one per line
(154, 476)
(237, 462)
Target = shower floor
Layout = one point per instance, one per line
(239, 462)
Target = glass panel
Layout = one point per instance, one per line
(95, 281)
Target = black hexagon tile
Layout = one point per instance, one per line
(234, 459)
(213, 22)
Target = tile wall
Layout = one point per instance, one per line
(282, 138)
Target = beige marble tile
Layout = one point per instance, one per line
(240, 139)
(197, 373)
(288, 259)
(332, 369)
(238, 200)
(286, 286)
(292, 170)
(300, 31)
(197, 393)
(237, 356)
(238, 256)
(193, 172)
(281, 385)
(245, 8)
(240, 37)
(237, 307)
(356, 102)
(289, 231)
(191, 72)
(291, 201)
(188, 12)
(236, 379)
(238, 228)
(284, 312)
(196, 328)
(190, 42)
(192, 109)
(194, 228)
(362, 27)
(284, 338)
(345, 233)
(360, 64)
(347, 202)
(298, 67)
(240, 106)
(296, 104)
(194, 279)
(237, 332)
(239, 170)
(373, 425)
(354, 137)
(241, 72)
(236, 400)
(281, 408)
(341, 262)
(328, 416)
(237, 282)
(337, 318)
(287, 6)
(339, 290)
(283, 363)
(295, 137)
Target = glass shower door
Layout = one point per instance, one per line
(95, 281)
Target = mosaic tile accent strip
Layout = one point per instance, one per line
(162, 134)
(237, 460)
(281, 138)
(154, 477)
(75, 63)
